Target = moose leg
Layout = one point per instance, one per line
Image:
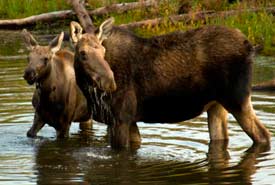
(134, 134)
(36, 126)
(217, 122)
(63, 131)
(124, 123)
(218, 155)
(249, 122)
(86, 125)
(119, 135)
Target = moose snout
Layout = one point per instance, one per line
(29, 76)
(108, 84)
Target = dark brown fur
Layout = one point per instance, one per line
(175, 77)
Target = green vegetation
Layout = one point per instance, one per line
(259, 27)
(10, 9)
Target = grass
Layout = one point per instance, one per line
(11, 9)
(258, 27)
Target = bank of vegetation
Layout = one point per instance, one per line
(259, 26)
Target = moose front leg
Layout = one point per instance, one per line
(119, 135)
(86, 125)
(134, 135)
(124, 130)
(36, 126)
(63, 130)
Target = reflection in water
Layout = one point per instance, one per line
(75, 161)
(220, 170)
(170, 154)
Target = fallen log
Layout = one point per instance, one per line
(69, 14)
(122, 7)
(32, 20)
(196, 16)
(82, 15)
(265, 86)
(17, 57)
(172, 18)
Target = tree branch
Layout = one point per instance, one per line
(82, 15)
(197, 16)
(19, 23)
(69, 14)
(123, 7)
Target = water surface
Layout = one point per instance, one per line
(170, 153)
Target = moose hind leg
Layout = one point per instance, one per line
(217, 122)
(249, 122)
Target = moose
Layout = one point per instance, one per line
(166, 79)
(57, 99)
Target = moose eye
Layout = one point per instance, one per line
(83, 55)
(45, 60)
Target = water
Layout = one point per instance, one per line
(170, 153)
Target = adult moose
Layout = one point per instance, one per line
(168, 78)
(57, 99)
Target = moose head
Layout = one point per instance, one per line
(40, 57)
(90, 53)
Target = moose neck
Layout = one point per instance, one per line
(123, 44)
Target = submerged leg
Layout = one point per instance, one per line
(63, 132)
(218, 155)
(249, 122)
(217, 122)
(86, 125)
(134, 135)
(36, 126)
(119, 135)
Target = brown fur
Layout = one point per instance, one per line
(57, 99)
(174, 77)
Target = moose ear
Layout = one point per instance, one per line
(105, 29)
(75, 32)
(56, 43)
(29, 39)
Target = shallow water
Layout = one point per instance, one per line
(170, 153)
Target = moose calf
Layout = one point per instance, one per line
(57, 99)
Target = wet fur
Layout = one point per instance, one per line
(57, 99)
(171, 78)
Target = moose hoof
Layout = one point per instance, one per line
(31, 134)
